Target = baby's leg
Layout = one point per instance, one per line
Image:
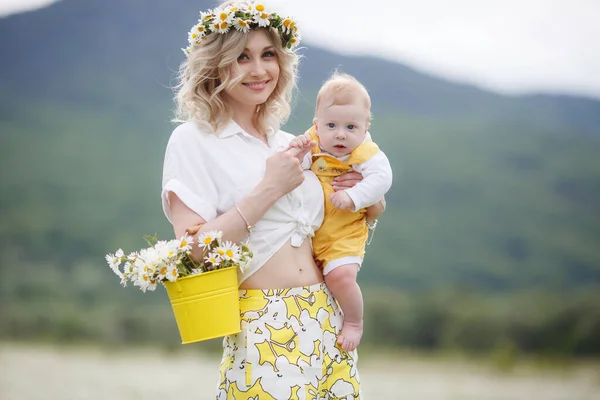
(342, 283)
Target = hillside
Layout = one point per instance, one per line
(492, 191)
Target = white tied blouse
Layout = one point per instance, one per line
(210, 173)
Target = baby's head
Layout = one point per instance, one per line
(343, 114)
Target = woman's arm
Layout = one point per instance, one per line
(283, 174)
(375, 211)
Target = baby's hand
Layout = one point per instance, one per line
(302, 142)
(341, 200)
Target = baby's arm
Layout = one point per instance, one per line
(377, 180)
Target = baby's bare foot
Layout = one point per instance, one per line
(349, 337)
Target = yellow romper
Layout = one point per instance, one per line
(343, 232)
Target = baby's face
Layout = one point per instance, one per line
(341, 128)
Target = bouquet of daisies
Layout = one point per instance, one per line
(170, 260)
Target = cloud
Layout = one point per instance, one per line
(510, 46)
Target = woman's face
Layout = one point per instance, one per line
(259, 68)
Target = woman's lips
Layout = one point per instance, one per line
(256, 85)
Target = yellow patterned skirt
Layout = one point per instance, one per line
(287, 348)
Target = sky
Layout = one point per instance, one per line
(508, 46)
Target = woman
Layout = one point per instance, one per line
(228, 167)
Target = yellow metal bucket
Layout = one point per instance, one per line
(206, 306)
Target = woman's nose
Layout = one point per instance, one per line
(258, 69)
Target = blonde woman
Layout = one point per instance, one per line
(228, 167)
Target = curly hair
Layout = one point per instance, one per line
(206, 74)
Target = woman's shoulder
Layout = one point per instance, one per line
(190, 131)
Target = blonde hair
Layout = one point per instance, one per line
(342, 89)
(206, 74)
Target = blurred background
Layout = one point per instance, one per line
(482, 280)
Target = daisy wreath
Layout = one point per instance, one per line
(243, 18)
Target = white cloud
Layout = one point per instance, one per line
(8, 7)
(511, 46)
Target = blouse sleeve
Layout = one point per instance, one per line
(185, 173)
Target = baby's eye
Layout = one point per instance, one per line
(331, 125)
(350, 127)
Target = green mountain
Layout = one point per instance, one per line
(490, 191)
(489, 242)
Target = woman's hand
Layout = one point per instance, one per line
(283, 172)
(346, 181)
(350, 179)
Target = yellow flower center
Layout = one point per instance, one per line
(207, 240)
(242, 23)
(264, 15)
(287, 22)
(229, 253)
(200, 29)
(183, 243)
(221, 252)
(223, 25)
(163, 271)
(174, 272)
(223, 16)
(145, 277)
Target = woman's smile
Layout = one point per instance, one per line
(260, 85)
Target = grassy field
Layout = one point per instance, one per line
(32, 372)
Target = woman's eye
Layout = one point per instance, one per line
(242, 57)
(331, 125)
(351, 127)
(269, 54)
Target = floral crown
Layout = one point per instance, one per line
(242, 17)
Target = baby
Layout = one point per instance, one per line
(342, 118)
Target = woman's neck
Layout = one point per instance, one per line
(246, 119)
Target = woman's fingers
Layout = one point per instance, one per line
(346, 180)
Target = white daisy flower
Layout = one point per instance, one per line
(294, 41)
(143, 281)
(187, 51)
(196, 34)
(185, 243)
(172, 273)
(205, 16)
(205, 239)
(241, 24)
(229, 251)
(222, 21)
(257, 8)
(262, 18)
(213, 258)
(114, 260)
(287, 25)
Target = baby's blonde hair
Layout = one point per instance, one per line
(206, 73)
(342, 89)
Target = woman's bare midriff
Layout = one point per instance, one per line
(289, 267)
